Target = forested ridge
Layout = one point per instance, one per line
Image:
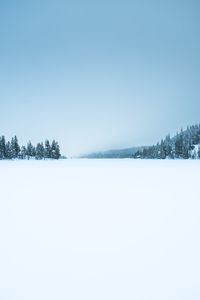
(12, 150)
(184, 145)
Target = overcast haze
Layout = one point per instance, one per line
(98, 74)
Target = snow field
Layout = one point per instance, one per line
(99, 229)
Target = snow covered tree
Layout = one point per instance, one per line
(55, 150)
(2, 147)
(30, 150)
(182, 145)
(47, 149)
(12, 150)
(39, 151)
(179, 147)
(8, 150)
(15, 148)
(22, 154)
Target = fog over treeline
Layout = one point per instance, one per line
(184, 145)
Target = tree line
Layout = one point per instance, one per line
(12, 150)
(185, 145)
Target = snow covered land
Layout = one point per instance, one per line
(100, 230)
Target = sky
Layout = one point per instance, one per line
(97, 75)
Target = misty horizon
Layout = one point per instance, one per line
(98, 75)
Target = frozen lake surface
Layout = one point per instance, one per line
(100, 230)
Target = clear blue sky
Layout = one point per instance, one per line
(98, 74)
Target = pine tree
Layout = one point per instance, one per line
(2, 147)
(39, 151)
(23, 152)
(30, 150)
(47, 150)
(179, 147)
(15, 148)
(55, 150)
(8, 150)
(162, 150)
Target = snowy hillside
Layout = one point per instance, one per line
(100, 229)
(184, 145)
